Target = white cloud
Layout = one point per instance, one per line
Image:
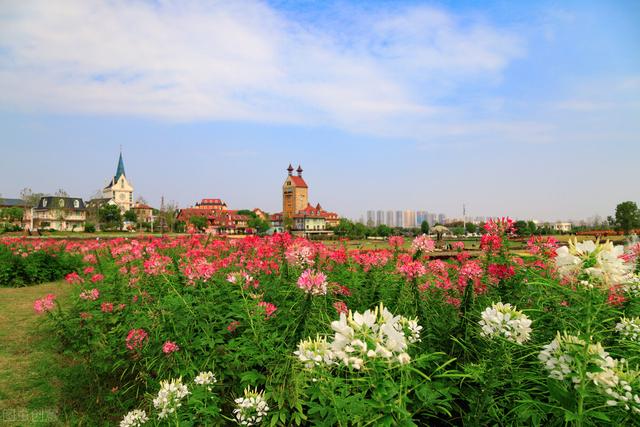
(197, 60)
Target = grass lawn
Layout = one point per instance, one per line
(31, 370)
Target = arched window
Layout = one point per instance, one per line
(76, 203)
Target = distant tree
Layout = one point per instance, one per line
(30, 198)
(130, 216)
(199, 222)
(12, 214)
(287, 223)
(259, 224)
(458, 231)
(532, 227)
(424, 227)
(89, 227)
(627, 216)
(110, 217)
(471, 227)
(383, 230)
(141, 201)
(522, 228)
(247, 212)
(97, 194)
(61, 193)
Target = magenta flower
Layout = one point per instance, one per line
(422, 244)
(313, 282)
(269, 308)
(44, 304)
(170, 347)
(73, 278)
(92, 295)
(136, 339)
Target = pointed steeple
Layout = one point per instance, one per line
(120, 170)
(290, 169)
(299, 170)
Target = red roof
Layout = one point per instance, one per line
(142, 206)
(298, 181)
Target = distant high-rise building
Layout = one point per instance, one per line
(390, 219)
(432, 218)
(380, 218)
(421, 216)
(399, 219)
(409, 219)
(441, 218)
(371, 218)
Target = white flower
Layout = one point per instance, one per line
(373, 334)
(629, 328)
(505, 320)
(314, 352)
(205, 378)
(603, 262)
(251, 408)
(169, 397)
(134, 418)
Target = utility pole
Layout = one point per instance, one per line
(464, 218)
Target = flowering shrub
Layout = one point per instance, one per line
(284, 331)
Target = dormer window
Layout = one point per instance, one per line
(44, 203)
(76, 203)
(61, 203)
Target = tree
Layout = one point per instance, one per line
(383, 230)
(627, 216)
(61, 193)
(30, 198)
(199, 222)
(110, 217)
(532, 227)
(471, 227)
(424, 227)
(259, 224)
(130, 216)
(522, 228)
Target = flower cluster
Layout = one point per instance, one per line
(565, 353)
(313, 352)
(170, 347)
(205, 378)
(629, 328)
(300, 255)
(396, 241)
(136, 339)
(169, 397)
(422, 244)
(134, 418)
(269, 308)
(313, 282)
(91, 295)
(373, 334)
(44, 304)
(73, 278)
(251, 408)
(600, 261)
(409, 268)
(504, 320)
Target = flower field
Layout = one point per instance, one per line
(283, 331)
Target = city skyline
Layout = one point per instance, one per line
(516, 109)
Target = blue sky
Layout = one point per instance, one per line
(528, 109)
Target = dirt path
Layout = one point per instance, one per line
(29, 366)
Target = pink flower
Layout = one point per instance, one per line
(422, 244)
(300, 254)
(269, 308)
(97, 278)
(341, 307)
(396, 241)
(409, 268)
(89, 270)
(136, 339)
(106, 307)
(86, 316)
(232, 326)
(459, 246)
(90, 258)
(44, 304)
(156, 264)
(470, 271)
(490, 242)
(500, 271)
(74, 278)
(313, 282)
(92, 295)
(169, 347)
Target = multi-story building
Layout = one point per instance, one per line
(421, 216)
(380, 218)
(390, 219)
(371, 218)
(409, 219)
(58, 213)
(144, 213)
(119, 188)
(295, 193)
(441, 218)
(399, 219)
(211, 204)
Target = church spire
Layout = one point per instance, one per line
(120, 170)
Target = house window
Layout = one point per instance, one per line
(61, 203)
(76, 204)
(44, 203)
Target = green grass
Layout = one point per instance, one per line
(32, 372)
